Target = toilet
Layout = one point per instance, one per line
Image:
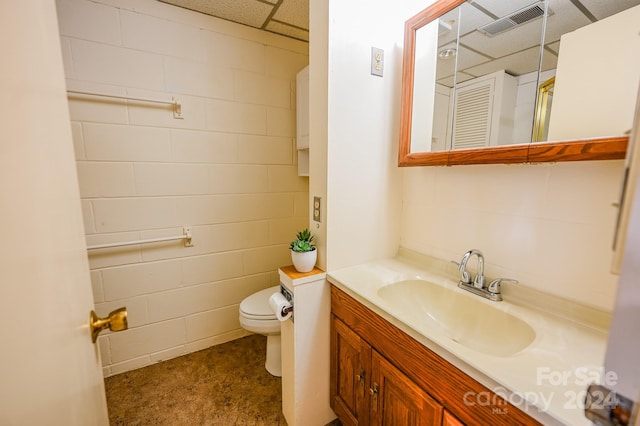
(256, 316)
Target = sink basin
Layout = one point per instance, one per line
(461, 317)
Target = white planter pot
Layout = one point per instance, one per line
(304, 261)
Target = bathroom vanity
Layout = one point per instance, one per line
(425, 389)
(392, 363)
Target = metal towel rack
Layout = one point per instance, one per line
(186, 236)
(177, 106)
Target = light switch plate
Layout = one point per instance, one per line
(317, 205)
(377, 61)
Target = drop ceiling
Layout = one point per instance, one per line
(514, 50)
(289, 18)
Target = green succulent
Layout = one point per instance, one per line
(303, 242)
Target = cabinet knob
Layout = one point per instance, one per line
(360, 379)
(374, 395)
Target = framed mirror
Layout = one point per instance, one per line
(479, 76)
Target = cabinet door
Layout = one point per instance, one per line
(350, 375)
(449, 420)
(396, 400)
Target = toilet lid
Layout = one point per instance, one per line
(257, 305)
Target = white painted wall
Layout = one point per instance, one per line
(363, 199)
(228, 168)
(442, 118)
(423, 129)
(601, 101)
(318, 117)
(549, 226)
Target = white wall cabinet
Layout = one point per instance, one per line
(302, 121)
(597, 77)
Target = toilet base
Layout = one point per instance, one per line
(273, 364)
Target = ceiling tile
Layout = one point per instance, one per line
(291, 18)
(287, 30)
(294, 12)
(549, 61)
(466, 59)
(518, 38)
(516, 64)
(554, 47)
(602, 9)
(565, 18)
(461, 77)
(248, 12)
(472, 18)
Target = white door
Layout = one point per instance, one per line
(50, 372)
(622, 365)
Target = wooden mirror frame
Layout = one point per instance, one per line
(600, 148)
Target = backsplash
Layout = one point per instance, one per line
(550, 226)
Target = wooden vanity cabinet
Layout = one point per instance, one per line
(382, 376)
(350, 375)
(396, 400)
(449, 420)
(368, 390)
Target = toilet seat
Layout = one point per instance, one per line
(256, 307)
(266, 327)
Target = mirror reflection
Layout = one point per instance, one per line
(486, 72)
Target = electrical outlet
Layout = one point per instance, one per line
(316, 209)
(377, 61)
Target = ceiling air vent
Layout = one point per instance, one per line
(519, 17)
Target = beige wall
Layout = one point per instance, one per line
(228, 168)
(354, 149)
(549, 226)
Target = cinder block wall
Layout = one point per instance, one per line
(228, 168)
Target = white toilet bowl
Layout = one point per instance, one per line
(256, 316)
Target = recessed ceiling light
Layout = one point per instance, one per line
(447, 53)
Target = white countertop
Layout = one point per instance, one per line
(547, 379)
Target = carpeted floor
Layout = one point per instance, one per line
(222, 385)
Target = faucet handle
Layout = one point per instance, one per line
(494, 286)
(466, 277)
(478, 281)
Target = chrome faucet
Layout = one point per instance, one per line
(492, 291)
(478, 281)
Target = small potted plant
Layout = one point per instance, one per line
(303, 251)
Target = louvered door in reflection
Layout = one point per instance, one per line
(473, 115)
(484, 111)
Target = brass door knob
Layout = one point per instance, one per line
(116, 321)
